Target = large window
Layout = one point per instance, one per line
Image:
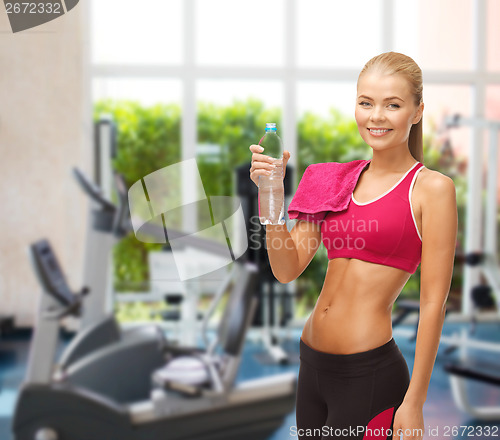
(301, 57)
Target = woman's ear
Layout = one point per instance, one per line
(419, 113)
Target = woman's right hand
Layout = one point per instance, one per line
(262, 165)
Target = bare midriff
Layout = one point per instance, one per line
(353, 311)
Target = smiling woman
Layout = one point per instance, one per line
(352, 374)
(391, 105)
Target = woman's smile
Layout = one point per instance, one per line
(378, 132)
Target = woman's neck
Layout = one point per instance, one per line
(391, 161)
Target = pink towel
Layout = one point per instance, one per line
(325, 187)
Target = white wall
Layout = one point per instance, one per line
(45, 129)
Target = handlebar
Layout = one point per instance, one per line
(92, 190)
(54, 282)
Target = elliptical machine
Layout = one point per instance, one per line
(124, 390)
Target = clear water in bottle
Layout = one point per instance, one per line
(271, 189)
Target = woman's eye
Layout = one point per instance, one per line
(393, 105)
(364, 104)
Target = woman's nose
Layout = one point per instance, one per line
(377, 114)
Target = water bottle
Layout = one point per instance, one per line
(271, 190)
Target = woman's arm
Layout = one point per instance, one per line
(291, 252)
(439, 235)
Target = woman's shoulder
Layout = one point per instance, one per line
(433, 184)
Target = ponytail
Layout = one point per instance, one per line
(416, 142)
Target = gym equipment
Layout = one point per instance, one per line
(98, 326)
(182, 318)
(106, 224)
(467, 368)
(124, 390)
(6, 324)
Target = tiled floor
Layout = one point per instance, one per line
(442, 419)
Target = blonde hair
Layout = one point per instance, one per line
(391, 63)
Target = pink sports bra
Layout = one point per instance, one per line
(382, 231)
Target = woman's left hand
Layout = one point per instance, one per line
(409, 422)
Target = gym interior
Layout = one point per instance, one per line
(115, 325)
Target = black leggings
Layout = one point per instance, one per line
(345, 396)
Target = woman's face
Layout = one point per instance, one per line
(385, 110)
